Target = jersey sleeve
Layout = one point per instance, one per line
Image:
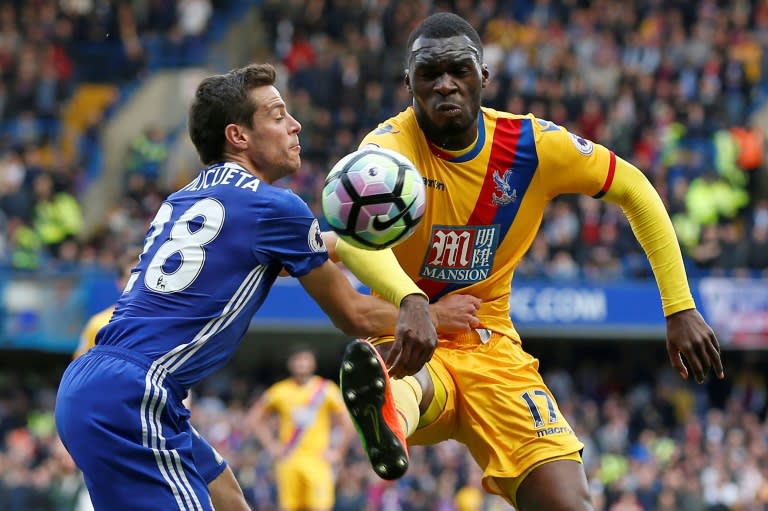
(289, 233)
(569, 163)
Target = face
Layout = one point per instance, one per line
(302, 364)
(446, 78)
(272, 145)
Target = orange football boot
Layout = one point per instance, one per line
(364, 383)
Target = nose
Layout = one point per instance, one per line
(295, 125)
(444, 84)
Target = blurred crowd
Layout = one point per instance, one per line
(670, 87)
(48, 48)
(674, 88)
(657, 444)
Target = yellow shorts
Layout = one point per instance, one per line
(304, 483)
(498, 406)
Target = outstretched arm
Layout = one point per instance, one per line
(688, 335)
(353, 313)
(381, 272)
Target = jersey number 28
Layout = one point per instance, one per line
(208, 216)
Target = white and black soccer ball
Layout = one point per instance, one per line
(373, 198)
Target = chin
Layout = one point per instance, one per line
(451, 129)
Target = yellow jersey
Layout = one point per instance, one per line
(92, 327)
(485, 204)
(305, 414)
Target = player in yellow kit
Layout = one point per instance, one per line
(226, 494)
(307, 406)
(489, 177)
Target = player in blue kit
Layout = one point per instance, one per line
(211, 254)
(223, 487)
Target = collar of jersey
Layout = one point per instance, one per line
(464, 154)
(226, 163)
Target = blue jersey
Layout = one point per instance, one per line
(211, 254)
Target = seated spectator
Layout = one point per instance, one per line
(147, 153)
(57, 216)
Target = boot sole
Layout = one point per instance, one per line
(363, 385)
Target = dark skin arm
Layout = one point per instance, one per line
(690, 337)
(453, 314)
(413, 345)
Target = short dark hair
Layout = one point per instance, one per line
(444, 24)
(299, 348)
(221, 100)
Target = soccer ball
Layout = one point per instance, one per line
(373, 198)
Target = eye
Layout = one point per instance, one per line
(428, 74)
(462, 70)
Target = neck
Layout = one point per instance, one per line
(459, 144)
(301, 380)
(247, 165)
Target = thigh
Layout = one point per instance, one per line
(305, 484)
(291, 485)
(507, 416)
(556, 484)
(320, 493)
(130, 442)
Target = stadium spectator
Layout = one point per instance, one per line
(57, 216)
(147, 153)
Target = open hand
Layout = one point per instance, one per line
(456, 313)
(415, 338)
(689, 336)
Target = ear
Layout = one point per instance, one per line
(485, 75)
(236, 136)
(407, 81)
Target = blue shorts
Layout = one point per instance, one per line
(208, 461)
(124, 424)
